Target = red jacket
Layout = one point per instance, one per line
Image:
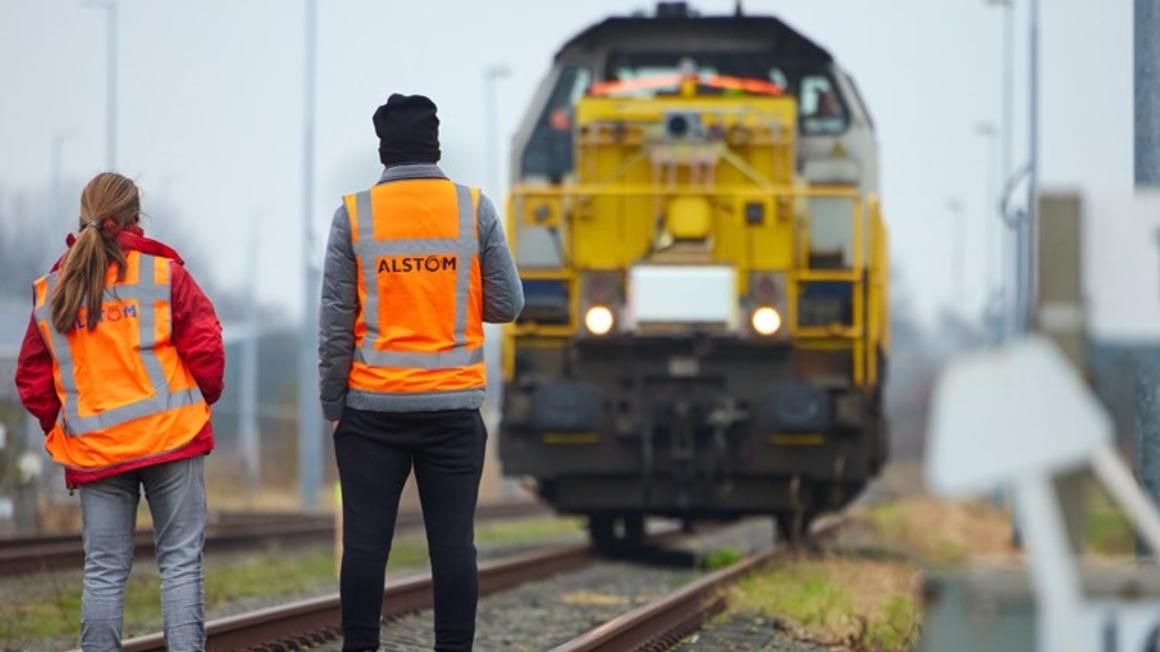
(197, 336)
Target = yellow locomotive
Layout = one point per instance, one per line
(695, 219)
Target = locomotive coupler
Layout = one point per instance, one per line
(724, 417)
(682, 450)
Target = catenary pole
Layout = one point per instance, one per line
(491, 76)
(111, 90)
(248, 431)
(309, 410)
(1031, 247)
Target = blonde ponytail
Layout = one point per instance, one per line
(109, 203)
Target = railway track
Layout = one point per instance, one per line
(665, 621)
(303, 623)
(229, 530)
(657, 625)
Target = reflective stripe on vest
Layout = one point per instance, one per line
(465, 248)
(147, 291)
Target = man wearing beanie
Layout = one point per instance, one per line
(414, 267)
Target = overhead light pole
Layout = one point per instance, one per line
(111, 44)
(1008, 87)
(957, 242)
(1031, 246)
(1012, 243)
(310, 431)
(491, 76)
(56, 170)
(994, 315)
(1023, 224)
(248, 428)
(990, 134)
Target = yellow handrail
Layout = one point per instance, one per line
(861, 336)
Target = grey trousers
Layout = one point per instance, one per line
(176, 495)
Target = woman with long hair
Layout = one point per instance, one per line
(122, 359)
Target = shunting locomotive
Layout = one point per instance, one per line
(695, 216)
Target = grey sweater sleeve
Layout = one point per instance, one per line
(336, 317)
(503, 293)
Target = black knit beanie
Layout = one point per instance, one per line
(408, 130)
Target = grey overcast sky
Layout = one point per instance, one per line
(211, 114)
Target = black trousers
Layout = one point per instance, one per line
(375, 453)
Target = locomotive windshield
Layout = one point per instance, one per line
(549, 152)
(821, 107)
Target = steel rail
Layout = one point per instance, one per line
(664, 622)
(309, 622)
(229, 530)
(316, 620)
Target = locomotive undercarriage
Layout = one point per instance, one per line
(693, 427)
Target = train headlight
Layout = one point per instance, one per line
(766, 321)
(599, 320)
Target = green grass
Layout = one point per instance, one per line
(56, 611)
(898, 626)
(949, 553)
(527, 530)
(806, 596)
(1106, 530)
(59, 613)
(720, 558)
(817, 596)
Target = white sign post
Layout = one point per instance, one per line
(1020, 416)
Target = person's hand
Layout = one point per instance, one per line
(333, 426)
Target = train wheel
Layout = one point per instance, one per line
(602, 532)
(792, 527)
(633, 530)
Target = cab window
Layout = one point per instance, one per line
(822, 108)
(549, 150)
(822, 112)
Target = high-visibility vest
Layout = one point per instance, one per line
(125, 393)
(419, 328)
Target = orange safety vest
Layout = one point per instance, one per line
(419, 329)
(125, 393)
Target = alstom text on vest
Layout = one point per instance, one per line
(407, 264)
(110, 312)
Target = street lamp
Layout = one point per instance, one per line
(56, 169)
(956, 208)
(994, 312)
(1023, 223)
(1008, 90)
(491, 76)
(110, 9)
(248, 432)
(310, 431)
(988, 132)
(1032, 227)
(1013, 244)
